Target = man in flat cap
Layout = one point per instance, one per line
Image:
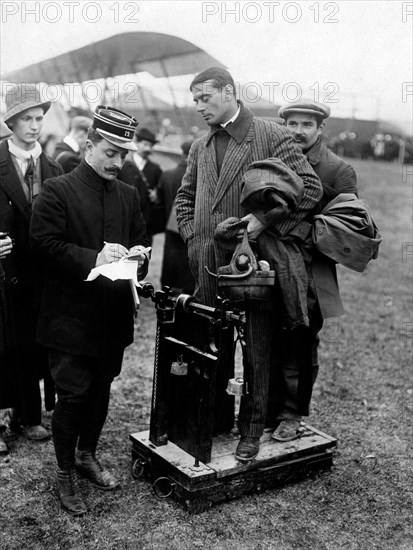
(305, 120)
(211, 193)
(70, 151)
(296, 365)
(23, 169)
(82, 220)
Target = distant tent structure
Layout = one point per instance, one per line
(161, 55)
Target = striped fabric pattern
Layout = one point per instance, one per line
(206, 199)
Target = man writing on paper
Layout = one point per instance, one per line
(82, 220)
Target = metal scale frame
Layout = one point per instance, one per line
(188, 452)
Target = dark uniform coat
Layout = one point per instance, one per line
(74, 216)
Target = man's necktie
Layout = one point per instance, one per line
(29, 179)
(221, 143)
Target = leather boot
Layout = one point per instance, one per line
(248, 448)
(90, 467)
(69, 492)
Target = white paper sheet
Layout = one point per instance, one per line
(125, 268)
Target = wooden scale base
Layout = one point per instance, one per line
(194, 360)
(173, 471)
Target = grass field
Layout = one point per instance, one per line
(363, 397)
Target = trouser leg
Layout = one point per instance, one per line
(96, 407)
(258, 336)
(83, 389)
(294, 370)
(72, 376)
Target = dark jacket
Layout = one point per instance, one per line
(337, 176)
(331, 169)
(175, 265)
(145, 181)
(153, 173)
(23, 273)
(66, 157)
(74, 216)
(131, 175)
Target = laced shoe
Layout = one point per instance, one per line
(69, 492)
(88, 465)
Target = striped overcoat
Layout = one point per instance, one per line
(206, 199)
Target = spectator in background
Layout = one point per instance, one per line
(175, 266)
(69, 152)
(151, 174)
(23, 169)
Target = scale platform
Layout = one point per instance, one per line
(174, 473)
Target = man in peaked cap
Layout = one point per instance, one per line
(296, 367)
(23, 169)
(85, 219)
(69, 152)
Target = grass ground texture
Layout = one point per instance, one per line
(363, 397)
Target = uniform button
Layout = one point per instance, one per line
(320, 231)
(14, 280)
(347, 250)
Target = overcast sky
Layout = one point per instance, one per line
(355, 54)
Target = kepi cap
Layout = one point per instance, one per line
(306, 106)
(115, 126)
(22, 97)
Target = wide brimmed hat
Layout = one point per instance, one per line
(145, 134)
(115, 126)
(22, 97)
(306, 106)
(4, 130)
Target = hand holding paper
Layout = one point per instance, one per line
(126, 267)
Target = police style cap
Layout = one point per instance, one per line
(306, 106)
(115, 126)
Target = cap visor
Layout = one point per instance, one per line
(128, 145)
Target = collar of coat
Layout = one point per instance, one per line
(314, 153)
(86, 173)
(238, 129)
